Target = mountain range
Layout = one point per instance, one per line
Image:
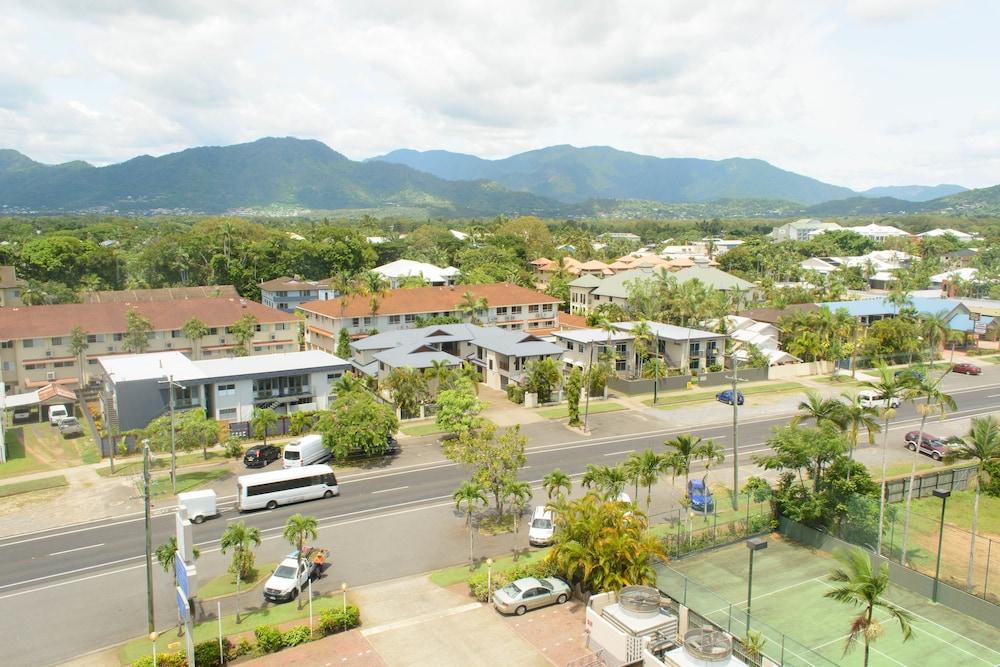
(559, 181)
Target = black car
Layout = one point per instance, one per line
(391, 450)
(259, 456)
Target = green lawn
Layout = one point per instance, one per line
(423, 428)
(32, 485)
(959, 511)
(161, 461)
(168, 641)
(561, 411)
(186, 481)
(18, 462)
(225, 584)
(671, 400)
(459, 573)
(838, 380)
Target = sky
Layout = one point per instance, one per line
(853, 92)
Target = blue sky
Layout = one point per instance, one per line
(858, 93)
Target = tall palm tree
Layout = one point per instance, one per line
(935, 328)
(887, 388)
(262, 421)
(929, 390)
(982, 445)
(709, 453)
(682, 450)
(78, 345)
(298, 529)
(860, 586)
(467, 497)
(241, 539)
(643, 337)
(648, 466)
(556, 482)
(518, 493)
(820, 410)
(408, 388)
(608, 481)
(854, 418)
(471, 305)
(440, 370)
(166, 556)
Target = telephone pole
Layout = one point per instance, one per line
(149, 538)
(735, 377)
(169, 381)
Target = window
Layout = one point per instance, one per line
(282, 293)
(333, 377)
(491, 364)
(117, 337)
(502, 310)
(176, 333)
(91, 362)
(95, 338)
(64, 364)
(227, 414)
(33, 367)
(479, 353)
(57, 340)
(547, 307)
(28, 342)
(257, 328)
(281, 326)
(597, 297)
(355, 321)
(515, 310)
(410, 318)
(695, 348)
(394, 319)
(7, 344)
(368, 321)
(533, 308)
(225, 390)
(8, 365)
(212, 331)
(579, 347)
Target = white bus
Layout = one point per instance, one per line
(281, 487)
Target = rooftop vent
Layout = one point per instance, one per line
(708, 644)
(639, 601)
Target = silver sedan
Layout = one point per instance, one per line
(519, 596)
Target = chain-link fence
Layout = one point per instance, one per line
(683, 531)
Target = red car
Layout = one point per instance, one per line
(966, 369)
(931, 445)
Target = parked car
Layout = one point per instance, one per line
(931, 445)
(57, 413)
(21, 414)
(966, 369)
(291, 577)
(700, 497)
(391, 450)
(911, 374)
(869, 398)
(519, 596)
(542, 528)
(70, 427)
(259, 456)
(727, 397)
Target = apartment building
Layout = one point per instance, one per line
(10, 287)
(35, 340)
(507, 306)
(287, 294)
(667, 341)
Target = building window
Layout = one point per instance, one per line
(57, 340)
(333, 377)
(491, 364)
(227, 414)
(7, 344)
(547, 307)
(409, 318)
(282, 293)
(281, 326)
(533, 308)
(95, 338)
(515, 310)
(64, 364)
(225, 390)
(355, 321)
(368, 321)
(28, 342)
(502, 310)
(394, 319)
(579, 347)
(176, 333)
(695, 348)
(33, 367)
(212, 331)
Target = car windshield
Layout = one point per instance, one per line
(285, 572)
(291, 455)
(541, 523)
(511, 590)
(545, 584)
(937, 442)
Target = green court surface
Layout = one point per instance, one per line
(789, 581)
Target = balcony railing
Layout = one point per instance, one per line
(284, 391)
(182, 403)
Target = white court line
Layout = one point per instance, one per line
(993, 396)
(759, 597)
(624, 451)
(69, 551)
(398, 488)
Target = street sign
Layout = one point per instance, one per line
(187, 577)
(182, 605)
(185, 543)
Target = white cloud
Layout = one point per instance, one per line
(808, 87)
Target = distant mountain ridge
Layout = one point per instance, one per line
(919, 193)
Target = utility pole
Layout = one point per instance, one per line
(149, 538)
(589, 381)
(173, 431)
(736, 431)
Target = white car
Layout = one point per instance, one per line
(869, 398)
(542, 528)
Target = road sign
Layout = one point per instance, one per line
(185, 544)
(182, 605)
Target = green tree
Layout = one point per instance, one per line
(542, 377)
(298, 529)
(684, 449)
(517, 494)
(357, 420)
(78, 345)
(467, 498)
(858, 585)
(441, 372)
(608, 481)
(935, 329)
(344, 344)
(494, 459)
(888, 389)
(458, 408)
(573, 387)
(856, 417)
(645, 469)
(408, 388)
(472, 306)
(194, 330)
(244, 330)
(262, 421)
(191, 428)
(557, 483)
(242, 540)
(138, 329)
(819, 410)
(982, 445)
(803, 451)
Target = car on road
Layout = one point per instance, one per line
(260, 456)
(519, 596)
(70, 427)
(727, 397)
(542, 528)
(965, 368)
(291, 576)
(910, 374)
(930, 445)
(700, 497)
(869, 398)
(392, 448)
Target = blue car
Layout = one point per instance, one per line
(910, 374)
(701, 498)
(727, 397)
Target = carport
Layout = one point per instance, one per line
(43, 397)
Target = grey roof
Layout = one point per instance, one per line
(672, 332)
(390, 339)
(513, 343)
(591, 335)
(419, 356)
(616, 286)
(586, 280)
(713, 277)
(516, 343)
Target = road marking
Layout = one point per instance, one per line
(624, 451)
(81, 569)
(993, 396)
(423, 618)
(398, 488)
(69, 551)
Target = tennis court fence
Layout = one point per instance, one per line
(684, 531)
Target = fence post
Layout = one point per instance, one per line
(715, 524)
(986, 580)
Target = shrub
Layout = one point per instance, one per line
(478, 581)
(269, 639)
(177, 659)
(243, 648)
(337, 620)
(233, 447)
(206, 653)
(295, 636)
(515, 393)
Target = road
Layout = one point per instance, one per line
(47, 568)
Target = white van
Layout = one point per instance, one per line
(200, 505)
(306, 451)
(869, 398)
(57, 413)
(542, 528)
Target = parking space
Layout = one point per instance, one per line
(557, 632)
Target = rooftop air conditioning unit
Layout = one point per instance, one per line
(51, 375)
(48, 353)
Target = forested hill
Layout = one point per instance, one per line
(267, 172)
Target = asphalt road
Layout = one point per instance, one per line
(38, 570)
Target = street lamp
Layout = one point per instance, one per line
(489, 578)
(736, 430)
(171, 385)
(753, 544)
(343, 592)
(152, 638)
(943, 495)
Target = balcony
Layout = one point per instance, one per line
(184, 403)
(283, 392)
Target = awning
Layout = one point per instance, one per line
(50, 394)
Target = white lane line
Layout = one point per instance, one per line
(398, 488)
(69, 551)
(993, 396)
(624, 451)
(81, 569)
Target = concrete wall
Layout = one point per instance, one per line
(633, 387)
(787, 371)
(722, 377)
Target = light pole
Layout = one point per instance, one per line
(736, 431)
(943, 495)
(489, 578)
(343, 593)
(753, 544)
(169, 381)
(149, 539)
(152, 638)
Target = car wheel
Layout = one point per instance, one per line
(328, 494)
(936, 456)
(295, 593)
(520, 610)
(561, 599)
(272, 505)
(198, 519)
(911, 446)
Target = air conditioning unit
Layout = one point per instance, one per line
(48, 353)
(111, 348)
(51, 375)
(274, 337)
(169, 345)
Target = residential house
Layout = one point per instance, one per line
(979, 318)
(676, 345)
(960, 236)
(507, 306)
(160, 294)
(877, 232)
(961, 257)
(942, 280)
(135, 388)
(10, 287)
(543, 269)
(744, 332)
(744, 291)
(802, 230)
(878, 265)
(287, 294)
(35, 340)
(398, 271)
(774, 315)
(587, 346)
(872, 310)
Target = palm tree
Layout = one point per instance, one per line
(887, 389)
(78, 345)
(298, 529)
(854, 418)
(643, 341)
(469, 496)
(645, 469)
(241, 539)
(344, 286)
(929, 390)
(982, 445)
(519, 494)
(860, 586)
(346, 383)
(682, 451)
(262, 421)
(194, 330)
(820, 410)
(935, 328)
(710, 453)
(471, 373)
(440, 370)
(471, 305)
(555, 482)
(608, 481)
(408, 388)
(166, 556)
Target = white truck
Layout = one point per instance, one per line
(292, 577)
(200, 505)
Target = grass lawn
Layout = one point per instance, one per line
(32, 485)
(18, 462)
(959, 511)
(423, 428)
(161, 461)
(560, 411)
(898, 469)
(459, 573)
(270, 615)
(838, 380)
(225, 584)
(186, 481)
(670, 400)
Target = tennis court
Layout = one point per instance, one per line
(789, 581)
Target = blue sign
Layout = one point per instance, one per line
(180, 571)
(182, 605)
